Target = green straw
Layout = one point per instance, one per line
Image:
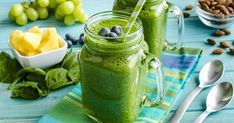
(134, 15)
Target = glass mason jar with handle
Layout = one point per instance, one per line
(114, 71)
(154, 19)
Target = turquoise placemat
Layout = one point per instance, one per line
(178, 66)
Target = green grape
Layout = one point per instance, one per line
(42, 12)
(11, 17)
(66, 8)
(78, 13)
(25, 5)
(34, 5)
(32, 14)
(53, 4)
(69, 20)
(60, 1)
(43, 3)
(58, 16)
(84, 18)
(76, 2)
(17, 10)
(22, 19)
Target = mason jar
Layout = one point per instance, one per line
(154, 16)
(114, 73)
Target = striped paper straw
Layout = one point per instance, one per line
(134, 15)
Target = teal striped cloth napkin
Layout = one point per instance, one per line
(178, 66)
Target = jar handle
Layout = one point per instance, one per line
(180, 21)
(155, 64)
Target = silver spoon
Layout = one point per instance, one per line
(218, 97)
(209, 74)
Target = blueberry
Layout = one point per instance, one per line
(68, 36)
(69, 44)
(117, 29)
(72, 39)
(104, 32)
(81, 39)
(112, 35)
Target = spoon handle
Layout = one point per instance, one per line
(183, 107)
(202, 117)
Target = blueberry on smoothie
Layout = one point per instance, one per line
(112, 35)
(104, 32)
(117, 30)
(81, 39)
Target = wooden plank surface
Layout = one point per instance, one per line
(195, 36)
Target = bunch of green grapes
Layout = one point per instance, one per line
(70, 11)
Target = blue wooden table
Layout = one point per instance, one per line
(195, 36)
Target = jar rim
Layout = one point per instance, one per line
(118, 13)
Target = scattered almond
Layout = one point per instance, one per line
(218, 33)
(217, 51)
(186, 14)
(211, 41)
(232, 51)
(189, 7)
(224, 44)
(227, 32)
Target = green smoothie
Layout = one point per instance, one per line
(154, 20)
(113, 74)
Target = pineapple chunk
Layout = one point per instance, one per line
(31, 41)
(15, 40)
(35, 29)
(50, 40)
(61, 44)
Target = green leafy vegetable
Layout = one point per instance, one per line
(57, 78)
(4, 55)
(32, 83)
(74, 74)
(24, 72)
(70, 60)
(27, 90)
(8, 68)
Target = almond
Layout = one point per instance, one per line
(217, 51)
(224, 44)
(189, 7)
(186, 14)
(227, 32)
(232, 51)
(218, 33)
(211, 41)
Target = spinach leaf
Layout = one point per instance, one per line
(70, 60)
(74, 73)
(27, 90)
(24, 72)
(35, 77)
(4, 55)
(8, 68)
(57, 78)
(40, 79)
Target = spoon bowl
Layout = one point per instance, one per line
(219, 96)
(211, 73)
